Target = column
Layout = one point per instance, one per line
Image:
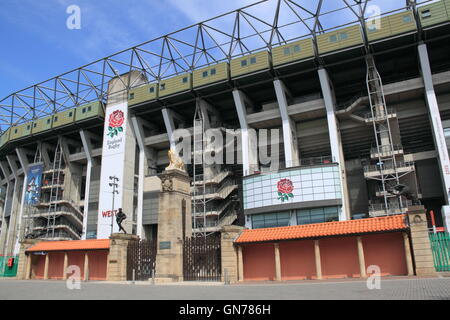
(87, 146)
(277, 262)
(408, 257)
(248, 139)
(291, 153)
(240, 265)
(170, 125)
(86, 266)
(229, 254)
(118, 158)
(66, 264)
(47, 260)
(437, 129)
(318, 261)
(24, 164)
(335, 138)
(362, 261)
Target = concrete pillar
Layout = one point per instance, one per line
(47, 261)
(408, 257)
(361, 260)
(229, 253)
(86, 266)
(437, 129)
(291, 153)
(240, 265)
(248, 137)
(318, 260)
(66, 264)
(24, 266)
(337, 152)
(24, 164)
(118, 158)
(421, 246)
(15, 206)
(170, 125)
(4, 228)
(277, 261)
(87, 146)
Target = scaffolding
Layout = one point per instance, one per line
(387, 157)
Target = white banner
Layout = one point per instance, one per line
(113, 160)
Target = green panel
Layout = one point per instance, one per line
(21, 131)
(6, 271)
(176, 84)
(4, 137)
(294, 51)
(250, 63)
(211, 74)
(87, 111)
(434, 13)
(43, 124)
(339, 39)
(143, 93)
(402, 22)
(440, 246)
(63, 118)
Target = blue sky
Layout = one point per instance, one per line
(37, 45)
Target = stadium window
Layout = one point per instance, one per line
(162, 86)
(15, 130)
(426, 14)
(34, 125)
(48, 121)
(243, 63)
(151, 89)
(185, 79)
(83, 110)
(55, 119)
(287, 51)
(252, 60)
(70, 113)
(205, 74)
(89, 108)
(407, 19)
(343, 36)
(213, 72)
(28, 127)
(131, 97)
(297, 48)
(333, 38)
(372, 27)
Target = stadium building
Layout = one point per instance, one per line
(361, 105)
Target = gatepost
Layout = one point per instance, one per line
(174, 221)
(24, 267)
(421, 246)
(117, 256)
(229, 253)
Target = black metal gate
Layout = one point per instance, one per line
(141, 257)
(202, 258)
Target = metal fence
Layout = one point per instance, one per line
(440, 246)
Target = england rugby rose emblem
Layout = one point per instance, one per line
(285, 188)
(116, 120)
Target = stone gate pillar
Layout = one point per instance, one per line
(421, 247)
(117, 256)
(229, 253)
(24, 267)
(174, 223)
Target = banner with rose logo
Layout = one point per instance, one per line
(113, 165)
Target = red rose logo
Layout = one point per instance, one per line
(116, 120)
(285, 188)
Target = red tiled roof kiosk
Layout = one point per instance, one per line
(342, 249)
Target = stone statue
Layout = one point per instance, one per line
(174, 161)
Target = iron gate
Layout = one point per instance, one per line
(202, 258)
(440, 246)
(141, 257)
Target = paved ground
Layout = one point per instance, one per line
(399, 288)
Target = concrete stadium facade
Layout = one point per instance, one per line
(334, 143)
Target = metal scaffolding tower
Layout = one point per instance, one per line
(389, 165)
(54, 191)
